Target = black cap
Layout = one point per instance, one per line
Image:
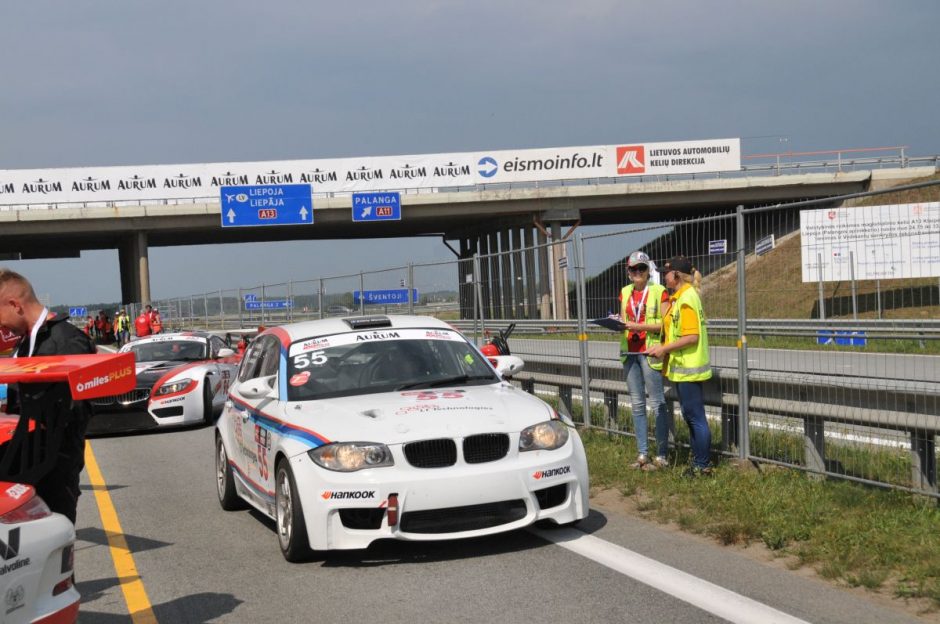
(679, 263)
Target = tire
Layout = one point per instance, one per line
(289, 516)
(225, 480)
(208, 416)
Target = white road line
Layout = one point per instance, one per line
(691, 589)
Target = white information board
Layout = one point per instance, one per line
(887, 242)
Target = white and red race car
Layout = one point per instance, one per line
(37, 545)
(182, 379)
(345, 431)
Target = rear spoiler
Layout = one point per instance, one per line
(88, 376)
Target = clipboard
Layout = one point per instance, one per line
(610, 323)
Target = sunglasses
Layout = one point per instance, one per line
(638, 269)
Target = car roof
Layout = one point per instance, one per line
(341, 325)
(162, 337)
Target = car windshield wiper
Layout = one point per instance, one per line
(446, 381)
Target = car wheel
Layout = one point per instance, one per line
(207, 415)
(225, 480)
(291, 528)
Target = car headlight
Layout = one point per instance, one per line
(351, 456)
(175, 386)
(544, 436)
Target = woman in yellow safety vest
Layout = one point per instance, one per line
(685, 351)
(641, 310)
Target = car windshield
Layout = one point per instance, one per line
(174, 350)
(385, 360)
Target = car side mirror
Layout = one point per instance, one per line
(225, 352)
(507, 365)
(258, 388)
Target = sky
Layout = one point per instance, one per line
(123, 83)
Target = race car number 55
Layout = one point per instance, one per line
(314, 358)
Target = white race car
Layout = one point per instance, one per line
(182, 379)
(345, 431)
(37, 550)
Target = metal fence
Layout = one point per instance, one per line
(864, 406)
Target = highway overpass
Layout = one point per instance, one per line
(479, 219)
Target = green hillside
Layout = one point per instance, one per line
(775, 289)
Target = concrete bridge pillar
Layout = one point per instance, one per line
(518, 274)
(135, 268)
(545, 301)
(531, 283)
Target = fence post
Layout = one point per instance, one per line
(411, 288)
(192, 313)
(290, 301)
(822, 299)
(320, 299)
(582, 332)
(262, 304)
(854, 285)
(221, 311)
(241, 321)
(362, 294)
(744, 441)
(478, 301)
(205, 308)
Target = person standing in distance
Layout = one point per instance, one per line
(686, 345)
(43, 333)
(142, 322)
(642, 305)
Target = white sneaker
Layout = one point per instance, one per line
(641, 460)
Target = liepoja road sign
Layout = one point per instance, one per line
(268, 204)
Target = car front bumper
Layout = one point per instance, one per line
(349, 510)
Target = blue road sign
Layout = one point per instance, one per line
(488, 166)
(78, 312)
(718, 246)
(397, 295)
(268, 204)
(764, 245)
(841, 337)
(270, 304)
(376, 207)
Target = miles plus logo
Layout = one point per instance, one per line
(631, 159)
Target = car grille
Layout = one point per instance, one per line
(134, 396)
(485, 447)
(457, 519)
(552, 496)
(431, 453)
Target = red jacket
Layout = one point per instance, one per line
(142, 324)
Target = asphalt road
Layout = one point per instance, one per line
(924, 369)
(198, 563)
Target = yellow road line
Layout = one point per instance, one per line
(138, 604)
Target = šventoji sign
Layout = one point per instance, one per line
(93, 186)
(885, 242)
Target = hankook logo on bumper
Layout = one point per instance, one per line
(551, 472)
(330, 495)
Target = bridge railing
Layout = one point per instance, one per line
(831, 161)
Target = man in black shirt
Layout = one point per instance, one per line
(44, 333)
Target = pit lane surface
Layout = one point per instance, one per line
(197, 563)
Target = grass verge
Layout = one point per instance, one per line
(860, 536)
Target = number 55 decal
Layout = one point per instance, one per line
(314, 358)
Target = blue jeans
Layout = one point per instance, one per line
(691, 397)
(643, 380)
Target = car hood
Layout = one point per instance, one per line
(149, 372)
(397, 417)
